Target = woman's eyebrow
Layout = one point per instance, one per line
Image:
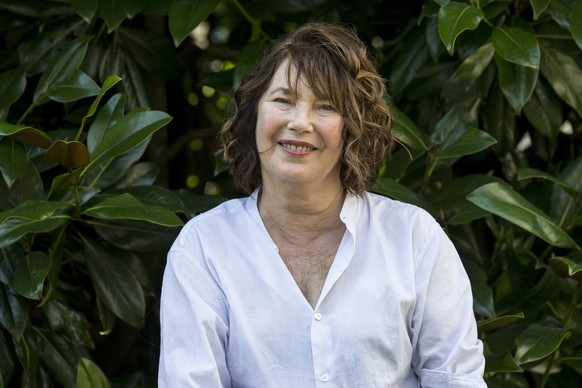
(280, 89)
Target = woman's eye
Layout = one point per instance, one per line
(282, 100)
(329, 108)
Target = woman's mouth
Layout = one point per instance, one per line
(297, 148)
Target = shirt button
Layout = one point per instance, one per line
(317, 317)
(325, 377)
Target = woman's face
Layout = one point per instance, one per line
(299, 137)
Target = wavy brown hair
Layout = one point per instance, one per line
(336, 65)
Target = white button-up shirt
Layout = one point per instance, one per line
(395, 309)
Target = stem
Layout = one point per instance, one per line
(548, 370)
(573, 305)
(250, 19)
(76, 191)
(26, 113)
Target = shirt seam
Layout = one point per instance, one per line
(422, 252)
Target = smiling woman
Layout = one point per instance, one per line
(319, 281)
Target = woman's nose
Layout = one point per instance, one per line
(301, 120)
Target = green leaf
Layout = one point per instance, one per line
(89, 375)
(57, 353)
(62, 68)
(65, 320)
(114, 283)
(13, 312)
(500, 199)
(517, 82)
(406, 131)
(26, 135)
(70, 154)
(500, 121)
(12, 85)
(560, 12)
(471, 141)
(501, 363)
(539, 6)
(563, 205)
(564, 75)
(138, 236)
(450, 199)
(114, 12)
(85, 8)
(126, 206)
(30, 273)
(529, 173)
(27, 355)
(474, 65)
(390, 188)
(482, 294)
(76, 87)
(516, 46)
(544, 110)
(185, 15)
(538, 341)
(496, 323)
(153, 196)
(106, 118)
(6, 361)
(128, 133)
(13, 161)
(455, 18)
(408, 62)
(576, 23)
(566, 268)
(442, 3)
(109, 82)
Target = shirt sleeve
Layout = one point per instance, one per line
(447, 351)
(194, 322)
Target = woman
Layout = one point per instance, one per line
(311, 279)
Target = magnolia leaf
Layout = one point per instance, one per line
(564, 75)
(70, 154)
(89, 375)
(13, 161)
(64, 319)
(517, 82)
(455, 18)
(408, 62)
(108, 115)
(114, 282)
(85, 8)
(26, 135)
(501, 363)
(390, 188)
(539, 6)
(78, 86)
(498, 322)
(12, 85)
(126, 206)
(30, 273)
(471, 141)
(516, 46)
(576, 23)
(500, 199)
(57, 352)
(406, 131)
(13, 312)
(185, 15)
(107, 84)
(544, 110)
(474, 65)
(566, 268)
(529, 173)
(538, 341)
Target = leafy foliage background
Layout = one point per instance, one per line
(108, 116)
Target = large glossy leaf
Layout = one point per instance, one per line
(126, 206)
(471, 141)
(564, 75)
(561, 201)
(26, 135)
(538, 341)
(185, 15)
(496, 323)
(456, 121)
(455, 18)
(114, 283)
(107, 117)
(566, 268)
(61, 68)
(450, 199)
(114, 12)
(128, 133)
(391, 188)
(500, 199)
(13, 161)
(501, 363)
(516, 46)
(27, 354)
(89, 375)
(76, 87)
(475, 63)
(410, 59)
(57, 353)
(539, 6)
(85, 8)
(576, 23)
(70, 154)
(107, 84)
(153, 196)
(30, 273)
(152, 52)
(405, 130)
(482, 293)
(560, 11)
(544, 110)
(6, 361)
(517, 82)
(500, 121)
(529, 173)
(31, 217)
(72, 323)
(138, 236)
(12, 84)
(13, 312)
